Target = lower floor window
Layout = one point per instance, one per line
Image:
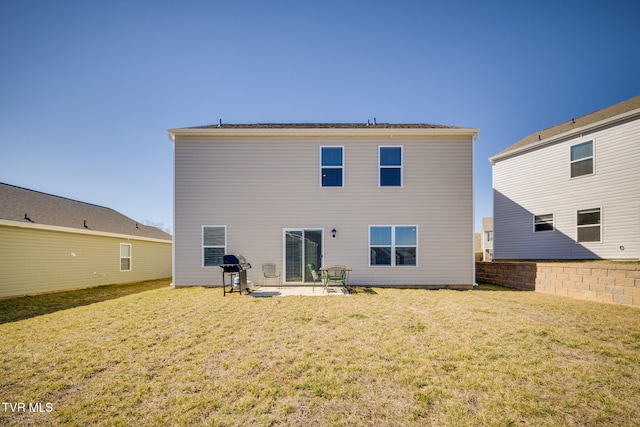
(214, 245)
(543, 223)
(589, 225)
(125, 257)
(393, 245)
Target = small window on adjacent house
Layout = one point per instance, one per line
(489, 235)
(582, 159)
(332, 166)
(214, 245)
(125, 257)
(589, 221)
(393, 245)
(390, 166)
(543, 223)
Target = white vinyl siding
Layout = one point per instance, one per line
(538, 182)
(257, 186)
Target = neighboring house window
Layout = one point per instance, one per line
(214, 245)
(393, 245)
(390, 166)
(489, 235)
(332, 166)
(125, 257)
(589, 225)
(543, 223)
(582, 159)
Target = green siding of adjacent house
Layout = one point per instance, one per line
(39, 260)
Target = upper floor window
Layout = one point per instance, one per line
(390, 166)
(332, 166)
(582, 159)
(489, 236)
(214, 245)
(589, 225)
(543, 223)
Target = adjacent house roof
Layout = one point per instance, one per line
(31, 207)
(618, 112)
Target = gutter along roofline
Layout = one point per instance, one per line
(378, 131)
(47, 227)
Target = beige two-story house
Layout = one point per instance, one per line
(391, 202)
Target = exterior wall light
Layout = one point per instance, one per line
(333, 233)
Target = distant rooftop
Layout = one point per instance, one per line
(33, 207)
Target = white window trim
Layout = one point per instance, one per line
(593, 157)
(393, 246)
(601, 225)
(331, 167)
(401, 167)
(209, 246)
(130, 257)
(553, 221)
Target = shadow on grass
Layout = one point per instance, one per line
(20, 308)
(494, 288)
(361, 290)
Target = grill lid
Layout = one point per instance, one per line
(234, 259)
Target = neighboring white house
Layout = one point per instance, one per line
(50, 243)
(391, 202)
(487, 239)
(571, 191)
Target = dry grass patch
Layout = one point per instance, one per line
(386, 357)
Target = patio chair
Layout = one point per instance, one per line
(269, 272)
(314, 274)
(335, 274)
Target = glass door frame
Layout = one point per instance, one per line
(303, 254)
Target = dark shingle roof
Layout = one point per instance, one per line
(326, 126)
(33, 207)
(575, 123)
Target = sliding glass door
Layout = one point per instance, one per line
(301, 247)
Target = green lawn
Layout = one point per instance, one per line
(383, 357)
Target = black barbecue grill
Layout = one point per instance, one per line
(235, 265)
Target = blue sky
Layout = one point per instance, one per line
(88, 89)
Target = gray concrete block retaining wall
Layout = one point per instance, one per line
(592, 281)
